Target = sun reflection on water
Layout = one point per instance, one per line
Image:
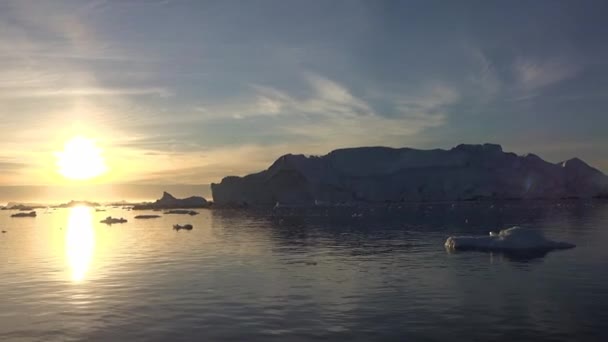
(80, 242)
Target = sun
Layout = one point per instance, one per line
(80, 159)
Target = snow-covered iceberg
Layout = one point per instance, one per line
(384, 175)
(514, 239)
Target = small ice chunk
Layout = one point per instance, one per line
(511, 239)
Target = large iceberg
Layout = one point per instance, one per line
(514, 239)
(382, 174)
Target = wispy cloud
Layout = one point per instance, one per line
(83, 92)
(38, 28)
(331, 115)
(332, 98)
(535, 74)
(414, 113)
(324, 97)
(12, 166)
(430, 100)
(327, 117)
(485, 77)
(211, 165)
(328, 98)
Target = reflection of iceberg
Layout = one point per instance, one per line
(515, 239)
(80, 241)
(179, 227)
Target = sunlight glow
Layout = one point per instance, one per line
(80, 159)
(80, 242)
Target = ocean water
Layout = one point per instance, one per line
(363, 274)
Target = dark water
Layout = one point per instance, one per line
(303, 275)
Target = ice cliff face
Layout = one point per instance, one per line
(381, 174)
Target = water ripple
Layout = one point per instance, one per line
(250, 275)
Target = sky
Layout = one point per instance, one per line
(187, 92)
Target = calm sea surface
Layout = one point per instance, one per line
(341, 274)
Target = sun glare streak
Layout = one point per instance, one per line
(80, 242)
(80, 159)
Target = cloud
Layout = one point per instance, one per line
(326, 117)
(486, 77)
(326, 98)
(211, 165)
(83, 92)
(11, 166)
(40, 28)
(434, 98)
(328, 114)
(414, 113)
(533, 74)
(332, 98)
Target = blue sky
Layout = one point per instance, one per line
(190, 91)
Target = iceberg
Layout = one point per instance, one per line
(514, 239)
(181, 212)
(112, 220)
(73, 203)
(23, 206)
(30, 214)
(391, 175)
(146, 217)
(168, 201)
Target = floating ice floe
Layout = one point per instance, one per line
(113, 220)
(30, 214)
(513, 239)
(181, 212)
(146, 217)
